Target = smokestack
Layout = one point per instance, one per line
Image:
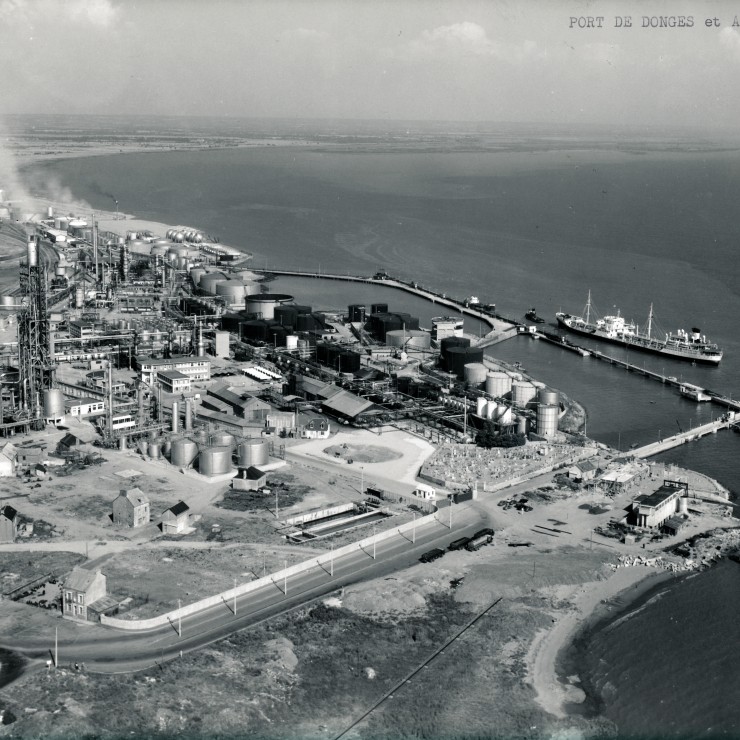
(201, 346)
(33, 250)
(50, 212)
(175, 417)
(188, 414)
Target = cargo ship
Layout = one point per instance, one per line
(681, 345)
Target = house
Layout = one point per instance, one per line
(425, 492)
(249, 479)
(7, 461)
(81, 589)
(87, 406)
(313, 426)
(176, 519)
(131, 508)
(68, 442)
(9, 521)
(583, 472)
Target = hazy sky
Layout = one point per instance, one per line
(402, 59)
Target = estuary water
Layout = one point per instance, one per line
(535, 222)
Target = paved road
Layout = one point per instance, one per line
(113, 651)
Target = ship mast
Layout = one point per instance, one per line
(588, 308)
(650, 320)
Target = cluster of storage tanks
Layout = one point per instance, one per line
(211, 454)
(234, 288)
(456, 353)
(186, 235)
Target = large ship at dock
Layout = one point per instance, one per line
(682, 345)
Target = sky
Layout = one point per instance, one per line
(480, 60)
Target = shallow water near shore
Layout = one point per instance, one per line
(665, 664)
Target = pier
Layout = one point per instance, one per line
(678, 439)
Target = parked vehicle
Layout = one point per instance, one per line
(431, 555)
(478, 541)
(485, 530)
(458, 544)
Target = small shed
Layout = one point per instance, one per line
(176, 519)
(249, 479)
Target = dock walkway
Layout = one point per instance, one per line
(678, 439)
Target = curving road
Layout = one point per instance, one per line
(107, 650)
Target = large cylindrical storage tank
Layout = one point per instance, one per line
(201, 437)
(458, 357)
(291, 341)
(504, 415)
(154, 449)
(522, 392)
(498, 384)
(209, 282)
(548, 397)
(215, 461)
(222, 439)
(53, 403)
(196, 274)
(480, 406)
(547, 420)
(409, 339)
(181, 263)
(251, 288)
(304, 348)
(475, 374)
(159, 250)
(245, 275)
(183, 452)
(264, 304)
(253, 452)
(522, 424)
(232, 290)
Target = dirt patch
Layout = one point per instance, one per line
(362, 453)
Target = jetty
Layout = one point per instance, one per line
(675, 440)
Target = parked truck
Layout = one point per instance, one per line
(478, 541)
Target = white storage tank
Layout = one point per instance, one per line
(53, 403)
(475, 374)
(215, 461)
(154, 449)
(253, 452)
(547, 420)
(408, 339)
(548, 397)
(498, 384)
(251, 288)
(183, 452)
(291, 342)
(522, 424)
(233, 291)
(196, 274)
(522, 392)
(208, 282)
(480, 406)
(222, 439)
(79, 298)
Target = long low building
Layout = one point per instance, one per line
(196, 368)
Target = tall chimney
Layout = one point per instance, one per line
(33, 250)
(175, 417)
(188, 414)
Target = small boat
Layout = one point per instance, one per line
(532, 316)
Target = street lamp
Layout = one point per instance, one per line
(116, 202)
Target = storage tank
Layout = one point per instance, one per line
(480, 406)
(53, 403)
(207, 282)
(504, 415)
(522, 392)
(196, 274)
(304, 348)
(522, 424)
(291, 342)
(215, 461)
(253, 452)
(183, 452)
(222, 439)
(409, 339)
(201, 437)
(232, 290)
(264, 303)
(181, 263)
(159, 251)
(79, 298)
(475, 374)
(251, 288)
(547, 420)
(498, 384)
(154, 449)
(548, 397)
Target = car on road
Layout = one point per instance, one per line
(458, 544)
(431, 555)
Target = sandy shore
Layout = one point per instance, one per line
(551, 694)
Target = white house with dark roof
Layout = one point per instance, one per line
(131, 508)
(176, 519)
(9, 521)
(81, 589)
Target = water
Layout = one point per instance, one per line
(537, 222)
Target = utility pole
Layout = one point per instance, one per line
(276, 504)
(285, 578)
(56, 647)
(331, 562)
(179, 619)
(234, 596)
(413, 530)
(373, 541)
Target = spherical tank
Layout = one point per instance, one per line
(497, 384)
(480, 406)
(253, 452)
(547, 420)
(178, 236)
(522, 392)
(475, 374)
(548, 397)
(53, 403)
(408, 339)
(232, 290)
(154, 450)
(291, 341)
(222, 439)
(215, 461)
(183, 452)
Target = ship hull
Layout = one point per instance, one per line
(641, 344)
